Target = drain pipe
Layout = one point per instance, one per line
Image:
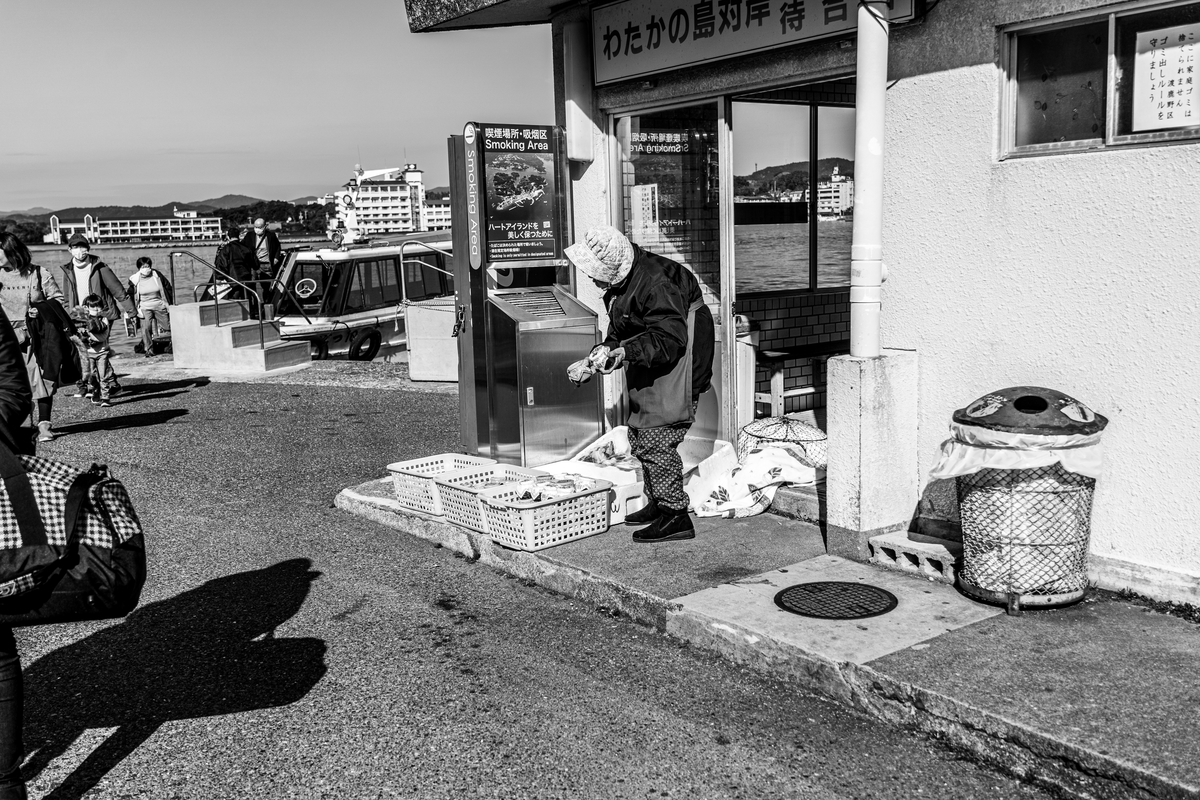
(867, 272)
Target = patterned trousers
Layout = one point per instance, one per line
(658, 450)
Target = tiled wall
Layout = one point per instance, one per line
(792, 320)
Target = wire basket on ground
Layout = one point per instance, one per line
(530, 525)
(811, 439)
(1025, 533)
(413, 479)
(459, 491)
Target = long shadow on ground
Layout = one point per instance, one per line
(152, 387)
(206, 652)
(121, 422)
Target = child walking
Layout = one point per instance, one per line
(98, 352)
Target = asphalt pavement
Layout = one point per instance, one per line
(284, 648)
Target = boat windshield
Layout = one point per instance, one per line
(311, 283)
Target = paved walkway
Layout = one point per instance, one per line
(1099, 699)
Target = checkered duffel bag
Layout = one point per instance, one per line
(71, 545)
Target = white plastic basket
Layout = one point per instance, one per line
(413, 479)
(526, 525)
(628, 494)
(459, 491)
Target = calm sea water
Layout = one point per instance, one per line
(189, 272)
(769, 258)
(775, 257)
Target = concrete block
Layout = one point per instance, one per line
(871, 481)
(915, 554)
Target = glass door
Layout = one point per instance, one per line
(670, 192)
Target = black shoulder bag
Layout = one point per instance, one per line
(71, 545)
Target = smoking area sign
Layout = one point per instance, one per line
(515, 196)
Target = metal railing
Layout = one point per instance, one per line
(259, 307)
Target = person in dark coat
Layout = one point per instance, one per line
(237, 261)
(16, 402)
(265, 246)
(661, 333)
(86, 274)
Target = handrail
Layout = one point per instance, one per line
(262, 341)
(431, 248)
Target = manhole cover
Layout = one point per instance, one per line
(836, 600)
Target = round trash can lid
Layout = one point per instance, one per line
(1031, 409)
(783, 429)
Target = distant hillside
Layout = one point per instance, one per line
(438, 193)
(224, 201)
(36, 211)
(123, 212)
(825, 169)
(301, 201)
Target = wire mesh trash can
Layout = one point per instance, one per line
(1025, 460)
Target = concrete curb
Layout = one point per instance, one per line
(1001, 743)
(543, 570)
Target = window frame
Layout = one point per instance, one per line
(1111, 140)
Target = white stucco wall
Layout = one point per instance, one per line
(1078, 272)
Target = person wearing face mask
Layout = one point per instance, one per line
(23, 285)
(86, 274)
(265, 246)
(151, 293)
(661, 333)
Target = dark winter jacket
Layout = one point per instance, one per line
(274, 249)
(103, 283)
(237, 261)
(50, 335)
(16, 399)
(648, 316)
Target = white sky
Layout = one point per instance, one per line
(770, 134)
(146, 102)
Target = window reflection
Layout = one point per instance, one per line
(669, 183)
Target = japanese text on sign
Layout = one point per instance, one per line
(641, 37)
(522, 202)
(653, 142)
(1163, 78)
(516, 140)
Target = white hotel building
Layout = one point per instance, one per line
(183, 225)
(385, 201)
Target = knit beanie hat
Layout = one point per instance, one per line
(604, 254)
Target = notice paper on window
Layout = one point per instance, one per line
(1164, 73)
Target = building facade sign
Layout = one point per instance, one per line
(641, 37)
(517, 174)
(1163, 75)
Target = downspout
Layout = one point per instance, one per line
(867, 272)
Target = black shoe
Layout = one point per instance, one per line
(672, 526)
(648, 513)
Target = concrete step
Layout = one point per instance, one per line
(913, 553)
(245, 333)
(229, 347)
(805, 503)
(279, 354)
(227, 311)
